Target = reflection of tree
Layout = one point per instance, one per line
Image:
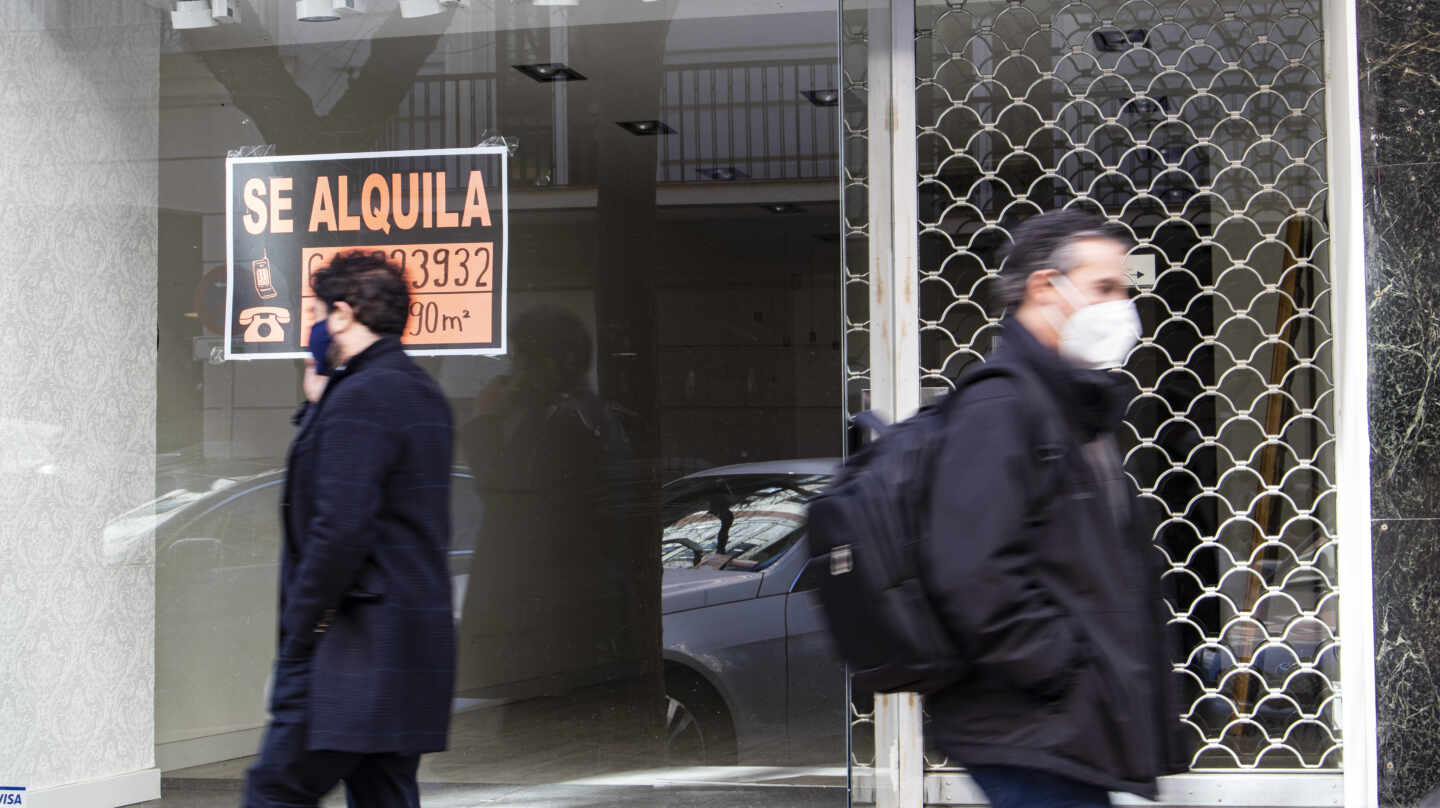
(260, 85)
(284, 112)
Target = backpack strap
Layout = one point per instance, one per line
(1051, 442)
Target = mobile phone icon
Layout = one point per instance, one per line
(261, 268)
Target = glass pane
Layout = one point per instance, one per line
(631, 472)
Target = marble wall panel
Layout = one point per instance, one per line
(1399, 47)
(1404, 330)
(1407, 657)
(1399, 42)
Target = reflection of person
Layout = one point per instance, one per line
(363, 683)
(1042, 567)
(561, 612)
(545, 603)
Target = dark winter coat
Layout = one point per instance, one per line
(1058, 608)
(365, 585)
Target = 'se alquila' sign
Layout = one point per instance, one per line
(432, 213)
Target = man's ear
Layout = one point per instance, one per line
(1039, 287)
(343, 315)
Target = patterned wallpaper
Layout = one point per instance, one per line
(79, 88)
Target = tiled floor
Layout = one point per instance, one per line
(561, 754)
(190, 793)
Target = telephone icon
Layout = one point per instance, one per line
(263, 285)
(263, 323)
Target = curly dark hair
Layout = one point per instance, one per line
(373, 286)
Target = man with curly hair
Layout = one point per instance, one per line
(366, 667)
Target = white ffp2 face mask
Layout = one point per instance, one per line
(1098, 335)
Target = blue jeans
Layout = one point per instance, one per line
(1011, 787)
(288, 775)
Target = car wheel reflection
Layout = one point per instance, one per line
(698, 728)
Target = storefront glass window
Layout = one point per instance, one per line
(627, 557)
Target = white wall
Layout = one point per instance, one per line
(79, 89)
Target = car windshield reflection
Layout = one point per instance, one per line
(734, 522)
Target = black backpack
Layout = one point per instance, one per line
(870, 522)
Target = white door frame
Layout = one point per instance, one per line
(1352, 414)
(894, 327)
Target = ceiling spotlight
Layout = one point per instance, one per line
(550, 71)
(823, 98)
(724, 174)
(425, 8)
(783, 208)
(646, 127)
(315, 11)
(192, 14)
(224, 11)
(348, 6)
(419, 8)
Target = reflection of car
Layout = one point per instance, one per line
(217, 551)
(749, 670)
(750, 673)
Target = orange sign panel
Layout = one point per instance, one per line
(451, 289)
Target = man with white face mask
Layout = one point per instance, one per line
(1039, 560)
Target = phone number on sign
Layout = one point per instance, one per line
(451, 289)
(427, 267)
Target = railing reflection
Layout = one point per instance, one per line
(732, 122)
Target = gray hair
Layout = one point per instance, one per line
(1048, 241)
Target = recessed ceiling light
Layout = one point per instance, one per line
(551, 71)
(315, 11)
(783, 207)
(223, 11)
(823, 98)
(646, 127)
(726, 173)
(425, 8)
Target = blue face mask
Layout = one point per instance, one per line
(319, 345)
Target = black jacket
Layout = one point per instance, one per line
(1058, 607)
(367, 537)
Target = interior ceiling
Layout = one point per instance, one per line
(272, 22)
(281, 91)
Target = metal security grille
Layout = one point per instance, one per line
(855, 224)
(1199, 126)
(855, 235)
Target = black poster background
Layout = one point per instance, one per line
(283, 250)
